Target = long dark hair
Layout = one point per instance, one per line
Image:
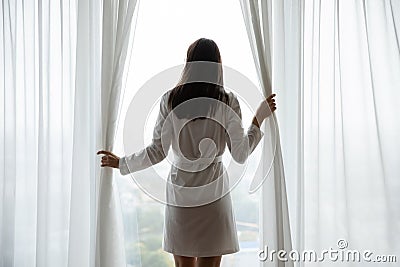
(199, 80)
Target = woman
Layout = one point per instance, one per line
(198, 235)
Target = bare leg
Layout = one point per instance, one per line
(182, 261)
(208, 261)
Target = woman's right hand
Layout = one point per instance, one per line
(265, 109)
(109, 159)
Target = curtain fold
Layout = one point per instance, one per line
(117, 21)
(274, 214)
(86, 135)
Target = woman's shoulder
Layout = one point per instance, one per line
(232, 99)
(166, 94)
(165, 97)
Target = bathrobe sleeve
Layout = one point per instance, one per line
(157, 150)
(240, 144)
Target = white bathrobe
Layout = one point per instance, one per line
(199, 223)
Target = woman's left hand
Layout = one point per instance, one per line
(109, 159)
(266, 108)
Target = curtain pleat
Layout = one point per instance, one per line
(117, 21)
(7, 192)
(85, 136)
(274, 214)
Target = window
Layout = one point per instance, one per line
(163, 33)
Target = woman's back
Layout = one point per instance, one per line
(199, 219)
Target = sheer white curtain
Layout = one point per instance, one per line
(60, 87)
(274, 214)
(350, 145)
(336, 68)
(117, 21)
(37, 74)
